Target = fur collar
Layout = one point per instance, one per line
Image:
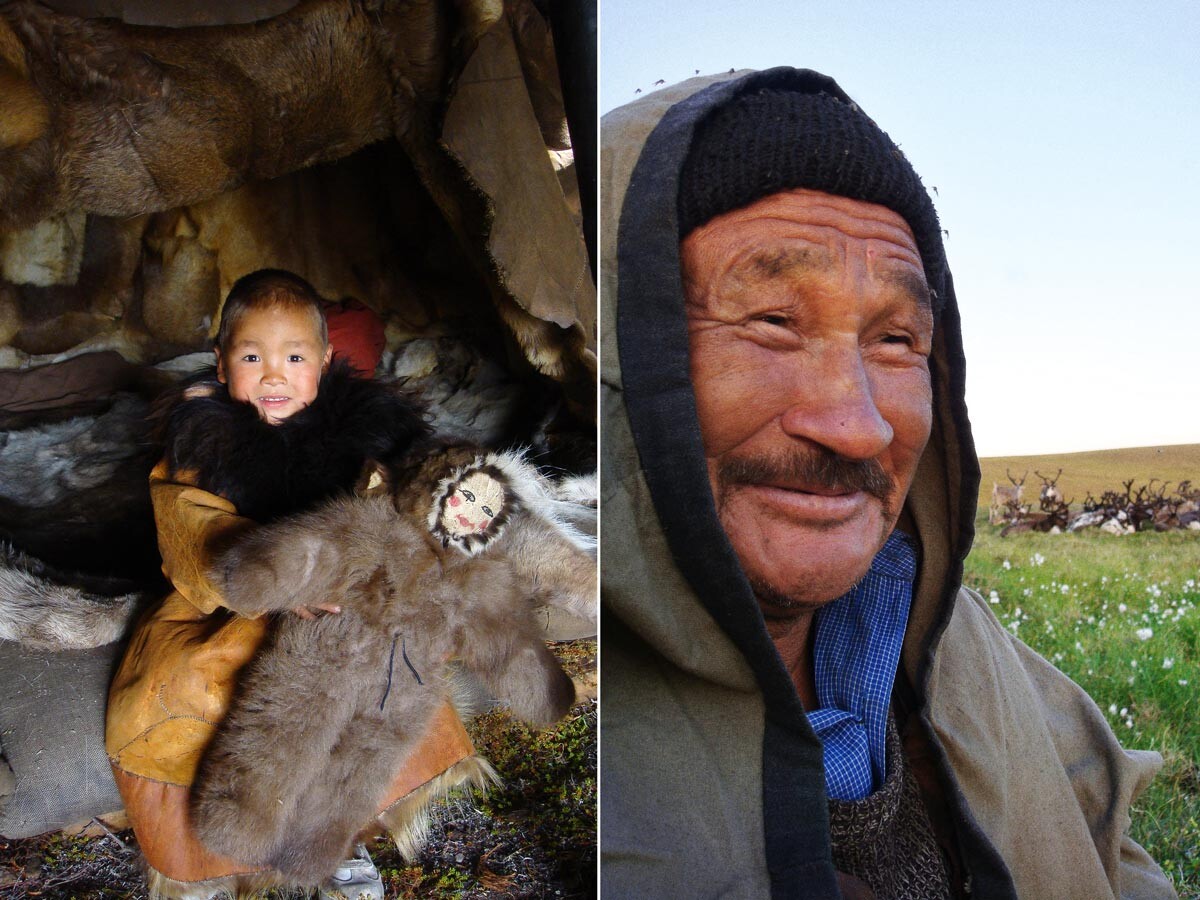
(268, 471)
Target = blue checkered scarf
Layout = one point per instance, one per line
(855, 652)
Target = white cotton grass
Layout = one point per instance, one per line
(1116, 630)
(1122, 714)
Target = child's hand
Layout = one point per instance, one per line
(311, 612)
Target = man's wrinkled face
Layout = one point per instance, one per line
(810, 331)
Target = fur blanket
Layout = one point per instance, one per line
(439, 559)
(73, 493)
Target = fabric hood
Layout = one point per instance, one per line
(652, 434)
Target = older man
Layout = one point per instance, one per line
(800, 698)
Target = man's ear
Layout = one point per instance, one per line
(374, 481)
(220, 365)
(328, 357)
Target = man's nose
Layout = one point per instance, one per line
(834, 406)
(273, 374)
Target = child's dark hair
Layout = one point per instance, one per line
(265, 289)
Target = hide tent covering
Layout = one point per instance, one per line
(411, 156)
(144, 169)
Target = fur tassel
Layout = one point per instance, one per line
(407, 820)
(558, 503)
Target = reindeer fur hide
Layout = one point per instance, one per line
(73, 493)
(446, 564)
(46, 609)
(121, 120)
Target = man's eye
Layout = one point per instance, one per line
(295, 358)
(771, 319)
(250, 357)
(909, 343)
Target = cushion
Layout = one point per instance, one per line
(52, 738)
(356, 334)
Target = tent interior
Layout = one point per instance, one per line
(409, 157)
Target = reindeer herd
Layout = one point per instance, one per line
(1148, 508)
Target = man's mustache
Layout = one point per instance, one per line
(816, 467)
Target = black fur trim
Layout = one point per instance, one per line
(268, 471)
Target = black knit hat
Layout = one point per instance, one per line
(772, 140)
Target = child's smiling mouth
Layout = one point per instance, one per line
(273, 402)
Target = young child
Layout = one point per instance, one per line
(273, 430)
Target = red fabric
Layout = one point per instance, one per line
(356, 334)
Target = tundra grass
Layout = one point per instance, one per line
(1121, 617)
(1095, 471)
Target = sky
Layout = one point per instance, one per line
(1064, 143)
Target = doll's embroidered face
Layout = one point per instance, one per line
(274, 361)
(473, 505)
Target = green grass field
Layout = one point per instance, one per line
(1120, 616)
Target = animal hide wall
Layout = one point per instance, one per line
(175, 13)
(137, 165)
(438, 560)
(235, 103)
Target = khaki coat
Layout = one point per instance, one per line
(712, 782)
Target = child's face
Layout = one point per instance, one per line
(274, 361)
